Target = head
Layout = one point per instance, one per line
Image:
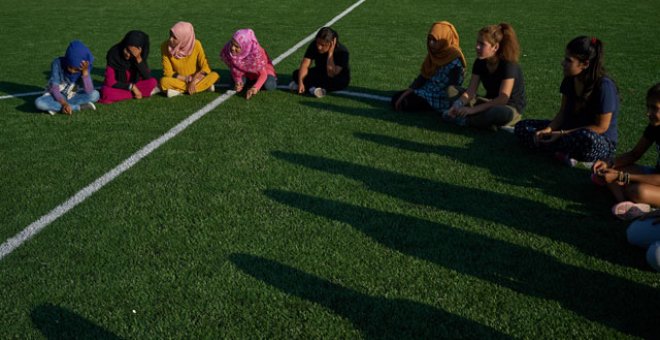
(235, 47)
(498, 41)
(324, 39)
(243, 42)
(135, 39)
(653, 104)
(75, 54)
(181, 32)
(441, 36)
(584, 58)
(172, 40)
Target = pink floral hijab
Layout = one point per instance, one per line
(252, 57)
(185, 34)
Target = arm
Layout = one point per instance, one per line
(263, 75)
(466, 97)
(502, 99)
(168, 70)
(88, 86)
(302, 73)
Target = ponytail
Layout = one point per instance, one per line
(505, 35)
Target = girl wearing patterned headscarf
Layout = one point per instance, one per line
(247, 60)
(64, 92)
(185, 67)
(127, 74)
(443, 67)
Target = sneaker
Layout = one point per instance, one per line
(173, 93)
(212, 88)
(293, 86)
(317, 92)
(87, 106)
(628, 210)
(155, 91)
(51, 112)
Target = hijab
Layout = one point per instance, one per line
(446, 50)
(115, 56)
(252, 57)
(185, 34)
(76, 52)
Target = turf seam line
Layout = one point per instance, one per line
(37, 226)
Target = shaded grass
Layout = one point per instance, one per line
(285, 216)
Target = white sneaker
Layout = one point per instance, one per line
(212, 88)
(173, 93)
(317, 92)
(88, 106)
(155, 91)
(51, 112)
(293, 86)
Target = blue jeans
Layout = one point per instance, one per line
(48, 103)
(647, 235)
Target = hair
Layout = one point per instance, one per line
(588, 49)
(504, 35)
(327, 34)
(653, 94)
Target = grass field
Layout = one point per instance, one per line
(292, 217)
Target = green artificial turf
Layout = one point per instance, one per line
(293, 217)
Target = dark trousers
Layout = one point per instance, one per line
(411, 102)
(319, 78)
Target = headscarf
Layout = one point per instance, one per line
(185, 34)
(115, 56)
(76, 52)
(446, 50)
(252, 57)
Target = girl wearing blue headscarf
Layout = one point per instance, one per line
(70, 86)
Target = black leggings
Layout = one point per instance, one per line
(319, 78)
(411, 102)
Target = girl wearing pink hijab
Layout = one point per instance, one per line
(248, 61)
(185, 67)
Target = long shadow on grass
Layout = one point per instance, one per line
(515, 166)
(617, 303)
(427, 121)
(507, 210)
(60, 323)
(377, 317)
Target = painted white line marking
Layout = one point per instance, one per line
(35, 227)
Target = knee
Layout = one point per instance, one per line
(653, 256)
(94, 96)
(165, 82)
(41, 104)
(643, 233)
(639, 193)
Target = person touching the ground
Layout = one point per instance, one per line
(185, 67)
(70, 86)
(635, 187)
(331, 71)
(444, 66)
(498, 70)
(127, 73)
(585, 128)
(248, 62)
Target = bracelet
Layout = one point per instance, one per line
(561, 132)
(626, 178)
(619, 176)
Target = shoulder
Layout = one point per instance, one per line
(341, 48)
(607, 85)
(163, 48)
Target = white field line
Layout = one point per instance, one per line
(37, 226)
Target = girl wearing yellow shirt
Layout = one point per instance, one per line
(185, 67)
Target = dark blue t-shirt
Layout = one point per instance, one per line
(580, 112)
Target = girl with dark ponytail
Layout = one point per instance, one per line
(585, 129)
(498, 70)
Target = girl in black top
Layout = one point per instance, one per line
(498, 70)
(331, 71)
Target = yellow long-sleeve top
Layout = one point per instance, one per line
(186, 66)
